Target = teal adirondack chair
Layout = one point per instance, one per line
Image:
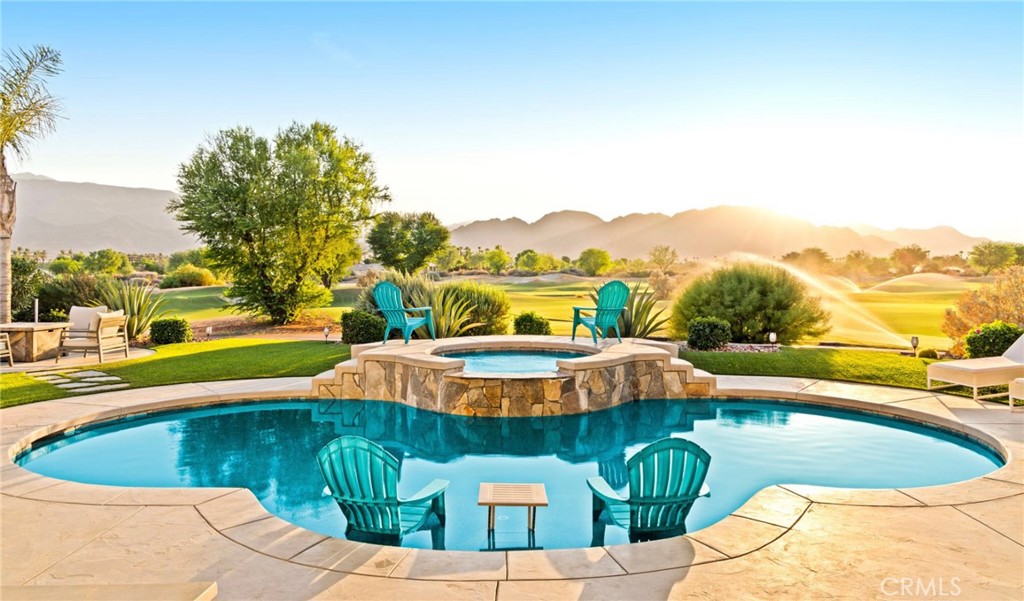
(363, 478)
(665, 478)
(611, 300)
(389, 301)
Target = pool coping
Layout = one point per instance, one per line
(765, 518)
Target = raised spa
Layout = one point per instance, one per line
(512, 361)
(270, 448)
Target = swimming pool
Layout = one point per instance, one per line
(512, 361)
(270, 448)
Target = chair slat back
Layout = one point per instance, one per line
(389, 301)
(611, 299)
(665, 478)
(111, 325)
(363, 478)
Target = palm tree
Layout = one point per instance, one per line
(27, 112)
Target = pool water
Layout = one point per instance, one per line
(513, 362)
(270, 448)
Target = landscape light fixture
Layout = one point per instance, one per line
(209, 332)
(327, 332)
(913, 343)
(773, 338)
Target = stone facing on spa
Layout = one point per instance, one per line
(417, 375)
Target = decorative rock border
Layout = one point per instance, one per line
(419, 374)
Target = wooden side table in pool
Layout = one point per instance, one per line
(495, 495)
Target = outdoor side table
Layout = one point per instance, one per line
(531, 496)
(34, 341)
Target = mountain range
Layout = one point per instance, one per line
(55, 215)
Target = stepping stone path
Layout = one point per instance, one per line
(79, 381)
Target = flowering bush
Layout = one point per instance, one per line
(992, 339)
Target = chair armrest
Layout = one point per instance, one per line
(584, 308)
(427, 309)
(435, 489)
(705, 490)
(601, 489)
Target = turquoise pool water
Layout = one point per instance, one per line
(512, 362)
(270, 448)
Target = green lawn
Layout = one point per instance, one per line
(226, 359)
(209, 302)
(871, 367)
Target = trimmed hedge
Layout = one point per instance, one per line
(170, 331)
(927, 353)
(360, 327)
(531, 323)
(707, 333)
(188, 275)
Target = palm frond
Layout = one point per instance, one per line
(28, 111)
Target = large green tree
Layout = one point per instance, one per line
(107, 262)
(756, 300)
(907, 258)
(663, 257)
(990, 256)
(278, 214)
(594, 261)
(406, 241)
(27, 112)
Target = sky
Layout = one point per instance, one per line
(888, 114)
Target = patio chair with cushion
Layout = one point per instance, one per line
(981, 372)
(5, 348)
(108, 336)
(362, 476)
(83, 320)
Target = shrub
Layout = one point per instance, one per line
(360, 327)
(138, 303)
(26, 282)
(928, 353)
(755, 300)
(188, 275)
(531, 323)
(662, 284)
(491, 306)
(170, 331)
(61, 293)
(708, 333)
(451, 312)
(992, 339)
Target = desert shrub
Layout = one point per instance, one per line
(755, 300)
(928, 353)
(708, 333)
(361, 327)
(62, 265)
(531, 323)
(1002, 300)
(451, 312)
(992, 339)
(661, 284)
(491, 306)
(61, 293)
(138, 303)
(412, 286)
(148, 276)
(54, 315)
(170, 331)
(188, 275)
(368, 278)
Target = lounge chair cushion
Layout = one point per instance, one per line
(84, 319)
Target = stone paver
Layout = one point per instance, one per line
(91, 373)
(787, 541)
(73, 385)
(101, 379)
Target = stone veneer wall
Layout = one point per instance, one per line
(575, 392)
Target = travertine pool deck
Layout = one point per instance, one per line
(963, 540)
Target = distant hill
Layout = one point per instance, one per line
(700, 233)
(55, 215)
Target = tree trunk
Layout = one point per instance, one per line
(8, 213)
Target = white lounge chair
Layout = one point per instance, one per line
(979, 373)
(1016, 391)
(83, 320)
(109, 335)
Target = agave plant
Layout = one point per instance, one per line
(640, 319)
(137, 301)
(452, 313)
